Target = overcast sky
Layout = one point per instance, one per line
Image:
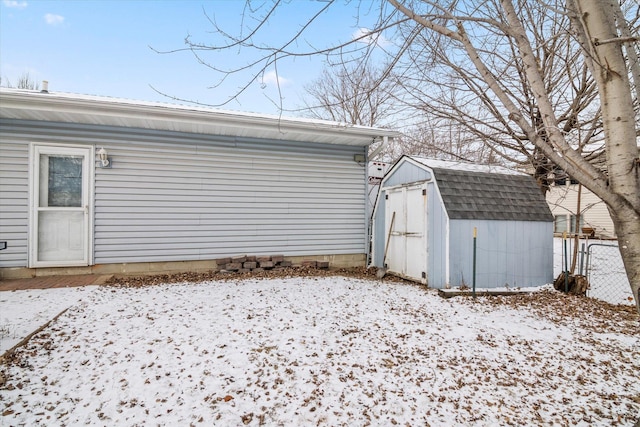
(103, 47)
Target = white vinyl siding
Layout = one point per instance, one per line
(14, 201)
(563, 201)
(560, 224)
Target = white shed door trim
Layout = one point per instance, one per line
(406, 231)
(61, 199)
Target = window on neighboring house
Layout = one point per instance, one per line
(561, 181)
(573, 223)
(560, 223)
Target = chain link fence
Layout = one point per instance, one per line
(605, 272)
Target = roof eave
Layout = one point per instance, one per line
(29, 105)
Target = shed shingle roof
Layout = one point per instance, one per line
(491, 196)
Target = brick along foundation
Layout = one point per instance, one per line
(246, 264)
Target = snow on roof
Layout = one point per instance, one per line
(101, 110)
(465, 166)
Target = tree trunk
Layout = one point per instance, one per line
(600, 37)
(595, 26)
(628, 230)
(576, 230)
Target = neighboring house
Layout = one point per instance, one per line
(595, 220)
(427, 210)
(103, 185)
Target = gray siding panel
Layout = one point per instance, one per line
(14, 201)
(172, 196)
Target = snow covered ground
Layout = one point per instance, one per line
(22, 312)
(321, 351)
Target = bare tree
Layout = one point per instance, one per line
(502, 50)
(454, 91)
(351, 94)
(354, 93)
(24, 82)
(445, 139)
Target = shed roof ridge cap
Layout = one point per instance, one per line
(459, 165)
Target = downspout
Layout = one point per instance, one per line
(367, 214)
(385, 142)
(369, 220)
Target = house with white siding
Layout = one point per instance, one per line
(566, 200)
(103, 185)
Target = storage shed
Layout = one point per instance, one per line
(102, 185)
(426, 213)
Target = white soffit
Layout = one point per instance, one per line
(95, 110)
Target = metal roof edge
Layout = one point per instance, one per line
(114, 110)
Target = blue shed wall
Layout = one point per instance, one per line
(513, 253)
(436, 239)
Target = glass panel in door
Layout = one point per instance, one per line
(63, 186)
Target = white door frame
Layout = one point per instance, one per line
(88, 171)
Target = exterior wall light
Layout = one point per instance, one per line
(105, 161)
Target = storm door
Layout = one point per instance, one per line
(60, 206)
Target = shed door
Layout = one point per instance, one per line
(60, 206)
(406, 227)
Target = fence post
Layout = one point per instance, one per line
(475, 237)
(566, 267)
